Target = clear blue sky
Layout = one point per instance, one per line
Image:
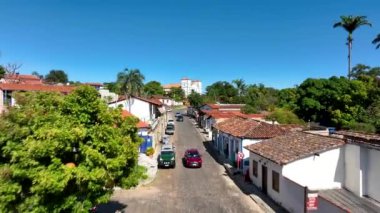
(277, 43)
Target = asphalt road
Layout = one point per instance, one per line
(208, 189)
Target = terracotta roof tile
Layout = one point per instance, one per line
(249, 128)
(169, 86)
(35, 87)
(293, 146)
(372, 140)
(140, 124)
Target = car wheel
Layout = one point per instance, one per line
(173, 166)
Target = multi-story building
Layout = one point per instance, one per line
(187, 85)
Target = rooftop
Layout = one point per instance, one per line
(293, 146)
(248, 128)
(35, 87)
(169, 86)
(348, 201)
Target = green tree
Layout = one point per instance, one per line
(2, 71)
(112, 87)
(195, 99)
(335, 101)
(261, 98)
(287, 98)
(56, 76)
(131, 83)
(240, 86)
(376, 41)
(153, 88)
(177, 94)
(35, 73)
(350, 24)
(221, 91)
(284, 116)
(64, 154)
(358, 70)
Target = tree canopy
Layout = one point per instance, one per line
(177, 94)
(56, 76)
(2, 71)
(153, 88)
(64, 153)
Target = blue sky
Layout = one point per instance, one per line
(277, 43)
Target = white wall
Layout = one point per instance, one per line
(373, 174)
(325, 171)
(292, 195)
(246, 152)
(353, 180)
(139, 108)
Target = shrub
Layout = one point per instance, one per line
(149, 151)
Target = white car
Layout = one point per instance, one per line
(170, 122)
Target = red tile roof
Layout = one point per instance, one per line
(20, 78)
(35, 87)
(226, 106)
(248, 128)
(372, 140)
(169, 86)
(293, 146)
(140, 124)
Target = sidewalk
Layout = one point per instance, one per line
(265, 202)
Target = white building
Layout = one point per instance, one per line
(232, 134)
(189, 85)
(295, 166)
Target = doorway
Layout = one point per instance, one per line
(264, 176)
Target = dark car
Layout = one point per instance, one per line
(192, 158)
(169, 129)
(180, 118)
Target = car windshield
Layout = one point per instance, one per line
(192, 154)
(170, 127)
(169, 121)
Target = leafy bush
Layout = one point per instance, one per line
(136, 174)
(149, 151)
(284, 116)
(48, 131)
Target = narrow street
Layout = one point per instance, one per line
(208, 189)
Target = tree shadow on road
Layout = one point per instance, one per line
(111, 207)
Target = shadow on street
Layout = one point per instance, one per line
(111, 207)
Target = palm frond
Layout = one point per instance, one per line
(377, 41)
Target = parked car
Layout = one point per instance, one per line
(170, 122)
(177, 114)
(169, 129)
(166, 158)
(180, 118)
(165, 139)
(192, 158)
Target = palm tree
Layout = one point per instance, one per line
(240, 86)
(376, 41)
(131, 83)
(350, 24)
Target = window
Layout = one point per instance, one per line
(254, 168)
(275, 181)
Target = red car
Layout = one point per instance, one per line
(192, 158)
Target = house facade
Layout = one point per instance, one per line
(232, 134)
(292, 167)
(150, 111)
